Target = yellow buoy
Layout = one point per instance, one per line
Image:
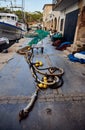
(44, 78)
(40, 85)
(40, 63)
(45, 86)
(37, 65)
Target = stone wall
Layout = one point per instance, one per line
(47, 8)
(79, 42)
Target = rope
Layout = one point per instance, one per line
(54, 77)
(50, 79)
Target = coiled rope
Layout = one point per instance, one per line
(52, 77)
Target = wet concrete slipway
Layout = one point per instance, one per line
(55, 109)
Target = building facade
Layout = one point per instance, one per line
(71, 21)
(50, 18)
(46, 9)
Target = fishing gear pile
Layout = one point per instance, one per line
(44, 77)
(37, 36)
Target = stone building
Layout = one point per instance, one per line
(68, 18)
(71, 21)
(50, 18)
(46, 10)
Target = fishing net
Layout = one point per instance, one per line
(41, 34)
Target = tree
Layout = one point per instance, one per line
(5, 10)
(36, 16)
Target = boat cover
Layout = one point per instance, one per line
(77, 59)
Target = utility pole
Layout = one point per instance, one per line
(7, 1)
(23, 6)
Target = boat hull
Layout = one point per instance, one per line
(10, 31)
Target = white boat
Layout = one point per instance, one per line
(4, 40)
(10, 27)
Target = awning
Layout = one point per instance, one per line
(64, 4)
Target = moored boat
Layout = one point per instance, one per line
(10, 27)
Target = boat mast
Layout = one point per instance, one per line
(22, 6)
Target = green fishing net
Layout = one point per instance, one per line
(40, 34)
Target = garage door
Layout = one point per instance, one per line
(70, 25)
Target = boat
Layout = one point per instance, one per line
(4, 40)
(10, 27)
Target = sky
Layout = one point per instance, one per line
(30, 5)
(36, 5)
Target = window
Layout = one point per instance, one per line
(61, 25)
(8, 17)
(12, 18)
